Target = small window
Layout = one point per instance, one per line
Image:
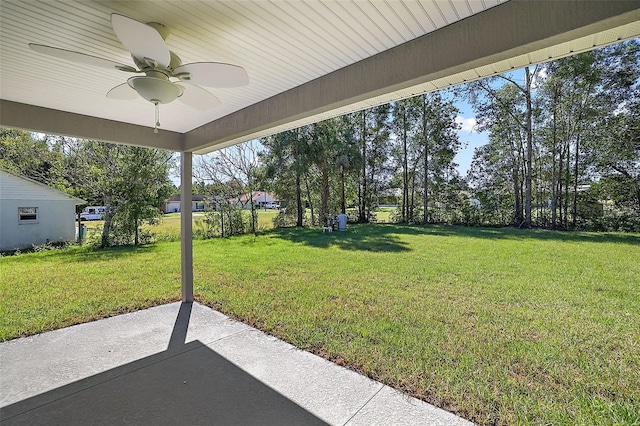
(27, 215)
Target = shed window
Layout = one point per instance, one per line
(27, 215)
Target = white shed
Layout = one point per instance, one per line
(32, 213)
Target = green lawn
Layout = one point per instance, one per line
(168, 228)
(500, 326)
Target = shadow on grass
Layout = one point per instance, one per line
(389, 237)
(91, 254)
(364, 237)
(357, 237)
(528, 234)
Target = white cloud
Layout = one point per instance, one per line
(621, 109)
(466, 124)
(539, 78)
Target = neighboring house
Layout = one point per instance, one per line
(173, 204)
(32, 213)
(261, 200)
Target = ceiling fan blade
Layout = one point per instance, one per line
(80, 58)
(141, 40)
(123, 92)
(212, 74)
(198, 98)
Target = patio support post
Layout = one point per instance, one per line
(186, 231)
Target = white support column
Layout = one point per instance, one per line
(186, 231)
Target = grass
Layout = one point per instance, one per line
(54, 289)
(168, 228)
(500, 326)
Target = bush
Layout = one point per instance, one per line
(288, 217)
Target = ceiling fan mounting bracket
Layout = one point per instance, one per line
(148, 64)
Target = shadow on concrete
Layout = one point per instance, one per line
(188, 384)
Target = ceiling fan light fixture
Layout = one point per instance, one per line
(155, 90)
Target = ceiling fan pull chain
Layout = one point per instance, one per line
(155, 129)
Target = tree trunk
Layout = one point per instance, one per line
(425, 213)
(108, 218)
(363, 195)
(253, 213)
(313, 216)
(517, 191)
(343, 205)
(559, 193)
(554, 142)
(566, 186)
(324, 193)
(374, 191)
(528, 171)
(299, 220)
(575, 182)
(405, 169)
(79, 228)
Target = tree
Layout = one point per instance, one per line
(347, 156)
(438, 141)
(325, 138)
(147, 172)
(286, 162)
(403, 118)
(131, 183)
(518, 108)
(580, 110)
(238, 164)
(34, 157)
(617, 157)
(371, 130)
(499, 114)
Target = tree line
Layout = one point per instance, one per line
(564, 143)
(563, 152)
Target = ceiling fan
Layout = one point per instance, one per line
(163, 69)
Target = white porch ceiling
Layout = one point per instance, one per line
(291, 51)
(281, 44)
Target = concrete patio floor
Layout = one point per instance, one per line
(186, 364)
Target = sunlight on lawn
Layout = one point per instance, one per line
(497, 325)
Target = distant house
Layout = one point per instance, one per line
(261, 200)
(173, 204)
(32, 213)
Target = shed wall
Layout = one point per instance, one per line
(55, 223)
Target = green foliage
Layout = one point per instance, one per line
(286, 217)
(36, 158)
(585, 114)
(518, 327)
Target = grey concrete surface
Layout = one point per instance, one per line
(182, 364)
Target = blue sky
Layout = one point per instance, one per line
(469, 138)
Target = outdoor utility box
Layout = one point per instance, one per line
(342, 222)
